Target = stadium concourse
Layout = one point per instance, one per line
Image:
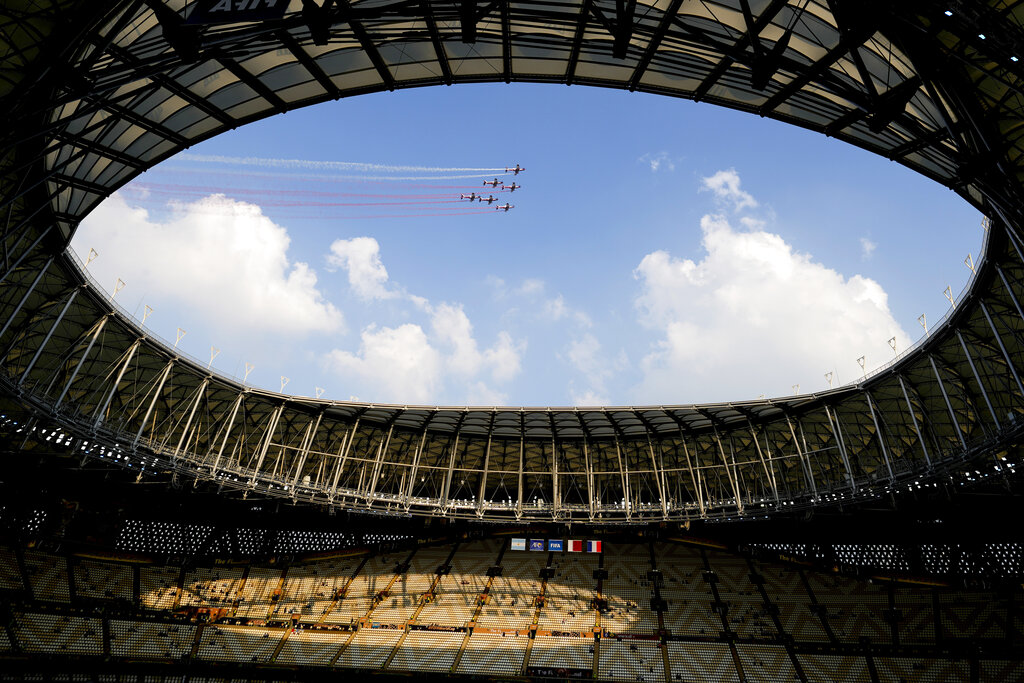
(162, 521)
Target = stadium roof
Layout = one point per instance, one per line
(94, 93)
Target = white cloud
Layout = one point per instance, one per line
(752, 316)
(453, 330)
(399, 363)
(726, 187)
(367, 276)
(587, 356)
(406, 364)
(531, 286)
(589, 398)
(658, 161)
(867, 247)
(220, 257)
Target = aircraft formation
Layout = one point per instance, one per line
(315, 190)
(490, 198)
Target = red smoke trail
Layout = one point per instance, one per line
(278, 178)
(411, 215)
(175, 190)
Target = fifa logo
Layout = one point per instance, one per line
(241, 5)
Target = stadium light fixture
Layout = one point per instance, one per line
(828, 378)
(284, 383)
(118, 286)
(249, 367)
(214, 352)
(91, 257)
(181, 335)
(146, 313)
(892, 344)
(924, 322)
(863, 366)
(948, 293)
(969, 262)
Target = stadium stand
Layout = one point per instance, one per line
(258, 589)
(311, 648)
(558, 652)
(631, 660)
(754, 619)
(369, 648)
(702, 662)
(493, 653)
(148, 639)
(511, 601)
(103, 580)
(427, 651)
(56, 633)
(159, 587)
(47, 575)
(238, 643)
(10, 575)
(628, 590)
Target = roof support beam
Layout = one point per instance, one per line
(152, 404)
(1002, 348)
(730, 475)
(368, 46)
(655, 42)
(239, 399)
(768, 475)
(623, 34)
(878, 433)
(949, 406)
(96, 331)
(101, 409)
(841, 447)
(346, 445)
(24, 298)
(308, 63)
(847, 42)
(96, 148)
(182, 440)
(171, 85)
(577, 41)
(258, 86)
(723, 65)
(307, 445)
(415, 466)
(46, 339)
(435, 39)
(977, 378)
(482, 492)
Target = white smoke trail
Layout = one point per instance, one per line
(331, 178)
(309, 164)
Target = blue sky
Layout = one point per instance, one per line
(659, 251)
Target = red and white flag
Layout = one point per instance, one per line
(575, 546)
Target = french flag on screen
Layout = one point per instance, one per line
(593, 546)
(575, 546)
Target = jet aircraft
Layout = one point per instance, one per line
(516, 170)
(504, 208)
(492, 183)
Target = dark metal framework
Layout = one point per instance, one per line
(93, 93)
